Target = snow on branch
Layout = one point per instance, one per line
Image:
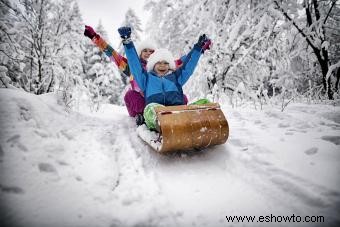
(331, 69)
(296, 26)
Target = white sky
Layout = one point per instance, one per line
(111, 13)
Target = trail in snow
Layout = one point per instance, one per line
(71, 169)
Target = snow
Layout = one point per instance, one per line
(65, 168)
(332, 68)
(146, 135)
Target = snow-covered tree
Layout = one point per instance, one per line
(44, 40)
(11, 54)
(133, 21)
(67, 51)
(314, 16)
(37, 43)
(43, 49)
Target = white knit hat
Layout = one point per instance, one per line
(161, 55)
(145, 44)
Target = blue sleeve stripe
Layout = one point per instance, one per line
(189, 67)
(135, 65)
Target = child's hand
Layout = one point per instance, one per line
(89, 32)
(204, 43)
(206, 46)
(124, 32)
(201, 40)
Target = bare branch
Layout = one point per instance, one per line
(3, 82)
(324, 21)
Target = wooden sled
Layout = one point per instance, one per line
(187, 127)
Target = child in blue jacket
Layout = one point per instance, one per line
(161, 83)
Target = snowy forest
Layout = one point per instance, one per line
(266, 52)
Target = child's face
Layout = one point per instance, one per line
(162, 68)
(145, 54)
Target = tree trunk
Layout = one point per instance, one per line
(39, 77)
(327, 83)
(308, 14)
(323, 61)
(211, 82)
(31, 70)
(49, 89)
(337, 80)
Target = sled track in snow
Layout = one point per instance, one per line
(137, 184)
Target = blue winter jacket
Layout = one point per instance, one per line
(165, 90)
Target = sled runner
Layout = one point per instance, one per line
(186, 128)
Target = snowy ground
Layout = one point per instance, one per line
(60, 168)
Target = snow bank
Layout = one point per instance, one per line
(55, 169)
(76, 169)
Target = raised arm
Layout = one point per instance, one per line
(135, 65)
(191, 60)
(114, 56)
